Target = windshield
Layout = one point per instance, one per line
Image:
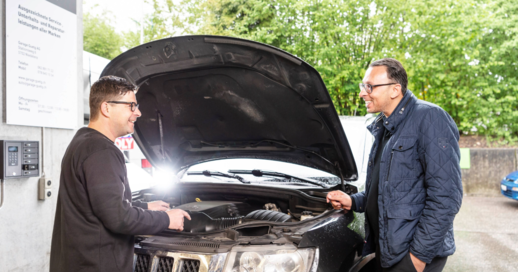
(227, 165)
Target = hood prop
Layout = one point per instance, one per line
(342, 186)
(159, 116)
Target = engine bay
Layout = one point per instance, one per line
(217, 215)
(214, 207)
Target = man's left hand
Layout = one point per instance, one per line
(418, 264)
(158, 205)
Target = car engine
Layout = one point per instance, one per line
(216, 215)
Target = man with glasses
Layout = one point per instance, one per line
(413, 186)
(95, 218)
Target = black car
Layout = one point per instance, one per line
(251, 136)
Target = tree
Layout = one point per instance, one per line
(459, 54)
(497, 52)
(99, 36)
(338, 38)
(165, 21)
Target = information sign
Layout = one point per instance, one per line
(41, 63)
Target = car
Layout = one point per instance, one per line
(509, 186)
(251, 143)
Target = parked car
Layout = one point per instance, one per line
(253, 144)
(509, 185)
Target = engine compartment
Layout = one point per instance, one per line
(215, 207)
(217, 215)
(228, 215)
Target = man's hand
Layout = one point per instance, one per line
(158, 206)
(418, 264)
(176, 218)
(339, 200)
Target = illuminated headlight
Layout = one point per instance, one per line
(503, 187)
(515, 189)
(271, 258)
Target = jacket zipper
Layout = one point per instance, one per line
(385, 218)
(390, 164)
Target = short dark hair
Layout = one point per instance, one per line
(105, 89)
(395, 71)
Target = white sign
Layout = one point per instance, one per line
(41, 63)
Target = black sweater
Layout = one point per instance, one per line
(95, 219)
(371, 208)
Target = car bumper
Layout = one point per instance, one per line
(509, 192)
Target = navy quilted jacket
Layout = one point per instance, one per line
(420, 189)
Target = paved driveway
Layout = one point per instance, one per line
(486, 235)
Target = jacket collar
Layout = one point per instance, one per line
(399, 114)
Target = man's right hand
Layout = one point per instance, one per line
(176, 218)
(339, 200)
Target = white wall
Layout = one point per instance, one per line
(93, 66)
(25, 222)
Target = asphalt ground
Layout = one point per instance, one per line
(486, 235)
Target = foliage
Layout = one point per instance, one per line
(163, 22)
(338, 38)
(497, 51)
(99, 36)
(459, 54)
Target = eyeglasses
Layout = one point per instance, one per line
(368, 88)
(133, 105)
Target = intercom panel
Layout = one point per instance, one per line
(20, 159)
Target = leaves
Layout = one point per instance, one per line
(458, 53)
(163, 22)
(99, 36)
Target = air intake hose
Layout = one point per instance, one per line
(267, 215)
(201, 222)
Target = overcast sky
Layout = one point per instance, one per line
(123, 11)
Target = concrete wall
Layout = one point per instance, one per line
(488, 167)
(25, 222)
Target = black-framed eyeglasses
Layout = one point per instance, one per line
(368, 88)
(133, 105)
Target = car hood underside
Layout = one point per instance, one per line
(206, 97)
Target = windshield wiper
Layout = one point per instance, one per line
(260, 173)
(208, 173)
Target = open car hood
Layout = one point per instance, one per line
(210, 97)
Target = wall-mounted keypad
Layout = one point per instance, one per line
(19, 159)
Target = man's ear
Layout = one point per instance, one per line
(105, 109)
(396, 91)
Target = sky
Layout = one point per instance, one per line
(123, 11)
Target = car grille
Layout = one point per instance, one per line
(508, 193)
(142, 263)
(165, 264)
(190, 266)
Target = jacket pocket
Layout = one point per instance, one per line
(402, 222)
(403, 158)
(404, 143)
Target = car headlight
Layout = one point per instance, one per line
(271, 258)
(503, 187)
(515, 189)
